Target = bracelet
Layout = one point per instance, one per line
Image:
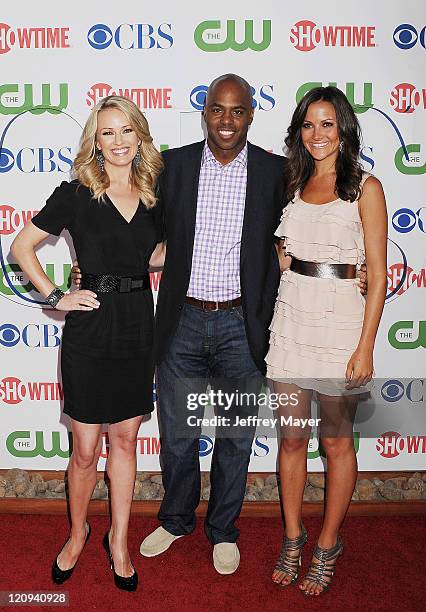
(54, 297)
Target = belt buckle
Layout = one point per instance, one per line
(125, 285)
(211, 309)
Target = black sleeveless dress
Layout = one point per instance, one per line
(106, 354)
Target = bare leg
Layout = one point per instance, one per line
(87, 445)
(122, 471)
(337, 416)
(292, 465)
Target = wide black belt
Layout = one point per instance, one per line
(322, 270)
(108, 283)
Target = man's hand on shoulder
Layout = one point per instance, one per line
(362, 277)
(76, 274)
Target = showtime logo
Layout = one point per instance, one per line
(398, 274)
(305, 35)
(14, 391)
(155, 279)
(405, 98)
(143, 97)
(11, 220)
(144, 446)
(391, 444)
(33, 38)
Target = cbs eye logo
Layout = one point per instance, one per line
(404, 220)
(394, 390)
(6, 160)
(99, 36)
(405, 36)
(9, 335)
(197, 97)
(205, 446)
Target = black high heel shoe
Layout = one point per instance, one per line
(125, 583)
(59, 575)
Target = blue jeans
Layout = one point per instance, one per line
(208, 347)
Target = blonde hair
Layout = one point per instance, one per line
(143, 176)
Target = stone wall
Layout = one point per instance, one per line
(148, 486)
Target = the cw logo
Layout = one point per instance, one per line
(19, 444)
(11, 96)
(400, 335)
(314, 453)
(350, 94)
(21, 284)
(413, 151)
(207, 38)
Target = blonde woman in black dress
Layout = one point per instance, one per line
(107, 366)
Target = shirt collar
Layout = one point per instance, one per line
(209, 158)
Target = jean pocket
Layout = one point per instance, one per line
(238, 312)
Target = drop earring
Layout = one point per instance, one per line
(341, 146)
(100, 160)
(137, 160)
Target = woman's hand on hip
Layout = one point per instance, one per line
(82, 299)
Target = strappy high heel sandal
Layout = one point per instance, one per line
(287, 563)
(321, 572)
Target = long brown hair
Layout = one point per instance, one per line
(300, 163)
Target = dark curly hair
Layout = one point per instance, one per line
(300, 163)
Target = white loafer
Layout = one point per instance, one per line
(226, 557)
(157, 542)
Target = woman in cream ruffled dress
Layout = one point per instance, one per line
(323, 329)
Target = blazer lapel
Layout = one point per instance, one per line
(192, 177)
(253, 198)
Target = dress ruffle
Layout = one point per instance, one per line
(331, 235)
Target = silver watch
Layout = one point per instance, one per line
(54, 297)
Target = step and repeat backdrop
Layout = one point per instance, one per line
(57, 63)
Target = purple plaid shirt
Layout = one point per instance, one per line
(215, 273)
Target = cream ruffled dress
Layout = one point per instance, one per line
(317, 322)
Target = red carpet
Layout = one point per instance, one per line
(382, 567)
